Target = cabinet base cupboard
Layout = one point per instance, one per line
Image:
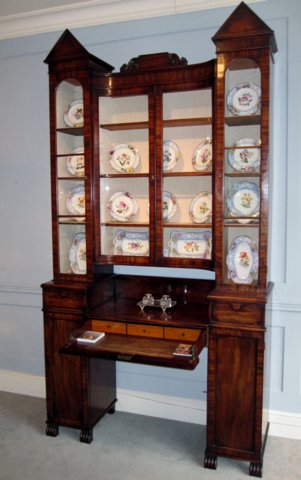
(161, 164)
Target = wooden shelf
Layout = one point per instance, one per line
(243, 121)
(79, 131)
(178, 122)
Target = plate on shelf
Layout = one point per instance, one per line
(171, 155)
(75, 200)
(124, 158)
(130, 243)
(245, 99)
(74, 115)
(170, 206)
(200, 209)
(122, 206)
(76, 162)
(202, 156)
(242, 260)
(243, 200)
(244, 159)
(77, 254)
(192, 245)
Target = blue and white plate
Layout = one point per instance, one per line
(74, 115)
(171, 155)
(245, 99)
(242, 260)
(78, 255)
(246, 158)
(131, 243)
(243, 200)
(190, 244)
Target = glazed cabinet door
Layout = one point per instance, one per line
(244, 173)
(70, 179)
(126, 179)
(185, 177)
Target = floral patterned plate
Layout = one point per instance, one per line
(122, 206)
(76, 162)
(200, 209)
(75, 200)
(242, 260)
(202, 156)
(192, 245)
(243, 200)
(245, 99)
(130, 243)
(74, 115)
(124, 158)
(170, 206)
(171, 155)
(244, 159)
(77, 254)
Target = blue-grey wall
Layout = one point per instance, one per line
(25, 253)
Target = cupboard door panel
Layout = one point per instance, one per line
(235, 392)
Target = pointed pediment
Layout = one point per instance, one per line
(242, 23)
(68, 51)
(67, 46)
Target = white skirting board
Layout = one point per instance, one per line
(282, 424)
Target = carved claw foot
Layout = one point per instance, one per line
(86, 435)
(210, 461)
(255, 469)
(52, 430)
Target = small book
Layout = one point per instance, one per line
(183, 350)
(90, 336)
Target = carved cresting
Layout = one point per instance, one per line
(154, 61)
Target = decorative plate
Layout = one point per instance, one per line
(244, 159)
(244, 99)
(200, 209)
(202, 156)
(242, 260)
(192, 245)
(170, 206)
(243, 200)
(76, 162)
(131, 243)
(122, 206)
(75, 200)
(74, 116)
(77, 254)
(171, 155)
(124, 158)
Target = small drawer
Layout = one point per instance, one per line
(64, 298)
(237, 313)
(108, 327)
(174, 333)
(145, 330)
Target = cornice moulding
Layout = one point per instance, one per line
(97, 12)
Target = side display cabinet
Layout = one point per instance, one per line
(161, 164)
(235, 426)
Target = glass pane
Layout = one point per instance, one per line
(187, 174)
(124, 176)
(242, 171)
(70, 162)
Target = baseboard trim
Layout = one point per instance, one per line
(282, 424)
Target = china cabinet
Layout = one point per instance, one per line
(161, 164)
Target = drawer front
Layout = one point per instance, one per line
(109, 327)
(172, 333)
(237, 313)
(63, 298)
(145, 331)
